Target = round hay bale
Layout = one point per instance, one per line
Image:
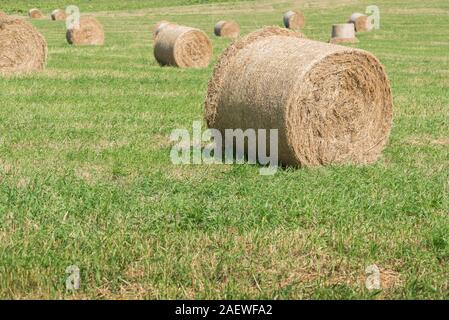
(162, 25)
(343, 33)
(227, 29)
(294, 20)
(35, 14)
(22, 48)
(183, 47)
(58, 14)
(3, 15)
(90, 32)
(361, 22)
(331, 104)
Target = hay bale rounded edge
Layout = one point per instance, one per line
(162, 25)
(22, 48)
(3, 15)
(331, 104)
(361, 22)
(35, 14)
(89, 32)
(227, 29)
(294, 20)
(183, 47)
(58, 14)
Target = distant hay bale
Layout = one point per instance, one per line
(343, 33)
(90, 32)
(35, 14)
(162, 25)
(227, 29)
(361, 22)
(294, 20)
(183, 47)
(331, 104)
(58, 14)
(22, 48)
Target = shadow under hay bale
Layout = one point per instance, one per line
(183, 47)
(227, 29)
(35, 14)
(361, 22)
(58, 14)
(343, 33)
(331, 104)
(294, 20)
(89, 32)
(22, 48)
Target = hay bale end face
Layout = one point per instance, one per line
(331, 104)
(294, 20)
(361, 22)
(183, 47)
(35, 14)
(227, 29)
(58, 14)
(90, 32)
(343, 33)
(22, 48)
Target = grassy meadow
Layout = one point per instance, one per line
(86, 178)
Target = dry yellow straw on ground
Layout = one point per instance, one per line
(182, 47)
(227, 29)
(58, 14)
(35, 14)
(331, 104)
(361, 22)
(294, 20)
(22, 47)
(90, 32)
(343, 33)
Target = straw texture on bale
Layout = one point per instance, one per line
(90, 32)
(22, 48)
(35, 14)
(361, 22)
(3, 15)
(58, 14)
(343, 33)
(183, 47)
(162, 25)
(331, 104)
(294, 20)
(227, 29)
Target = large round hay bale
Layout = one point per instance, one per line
(89, 32)
(22, 47)
(162, 25)
(331, 104)
(294, 20)
(183, 47)
(35, 14)
(58, 14)
(343, 33)
(227, 29)
(361, 22)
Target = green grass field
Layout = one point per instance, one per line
(86, 178)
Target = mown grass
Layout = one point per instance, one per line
(86, 178)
